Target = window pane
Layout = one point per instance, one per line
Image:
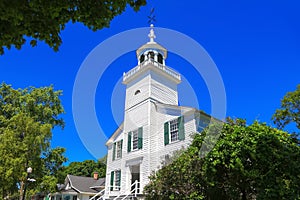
(174, 130)
(135, 139)
(119, 149)
(117, 180)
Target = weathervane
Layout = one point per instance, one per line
(151, 17)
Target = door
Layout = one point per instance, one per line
(135, 176)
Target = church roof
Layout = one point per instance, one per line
(149, 46)
(115, 134)
(184, 110)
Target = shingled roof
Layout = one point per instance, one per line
(85, 184)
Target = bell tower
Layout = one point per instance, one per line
(151, 79)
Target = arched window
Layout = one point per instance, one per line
(160, 58)
(151, 55)
(142, 58)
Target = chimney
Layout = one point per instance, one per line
(96, 175)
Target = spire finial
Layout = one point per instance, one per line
(151, 17)
(151, 20)
(151, 34)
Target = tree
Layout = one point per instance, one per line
(27, 117)
(51, 164)
(247, 162)
(43, 20)
(289, 111)
(48, 174)
(85, 168)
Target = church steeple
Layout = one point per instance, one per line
(151, 79)
(151, 56)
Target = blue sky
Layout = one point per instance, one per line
(254, 44)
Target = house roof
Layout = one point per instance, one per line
(99, 183)
(69, 191)
(85, 184)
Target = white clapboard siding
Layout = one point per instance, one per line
(137, 90)
(163, 90)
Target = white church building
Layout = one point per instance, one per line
(154, 126)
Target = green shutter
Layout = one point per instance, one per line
(119, 177)
(112, 180)
(114, 151)
(121, 147)
(140, 138)
(129, 142)
(166, 132)
(181, 134)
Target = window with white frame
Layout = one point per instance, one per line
(174, 130)
(115, 180)
(135, 140)
(117, 150)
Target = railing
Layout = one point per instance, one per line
(133, 191)
(99, 193)
(154, 63)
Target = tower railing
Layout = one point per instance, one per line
(158, 65)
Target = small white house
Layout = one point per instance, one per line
(154, 126)
(79, 188)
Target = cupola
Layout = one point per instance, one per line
(151, 56)
(152, 50)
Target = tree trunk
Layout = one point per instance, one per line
(244, 196)
(3, 192)
(22, 190)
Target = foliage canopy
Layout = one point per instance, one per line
(43, 20)
(27, 117)
(247, 162)
(289, 112)
(85, 168)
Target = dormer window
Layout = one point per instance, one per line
(137, 92)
